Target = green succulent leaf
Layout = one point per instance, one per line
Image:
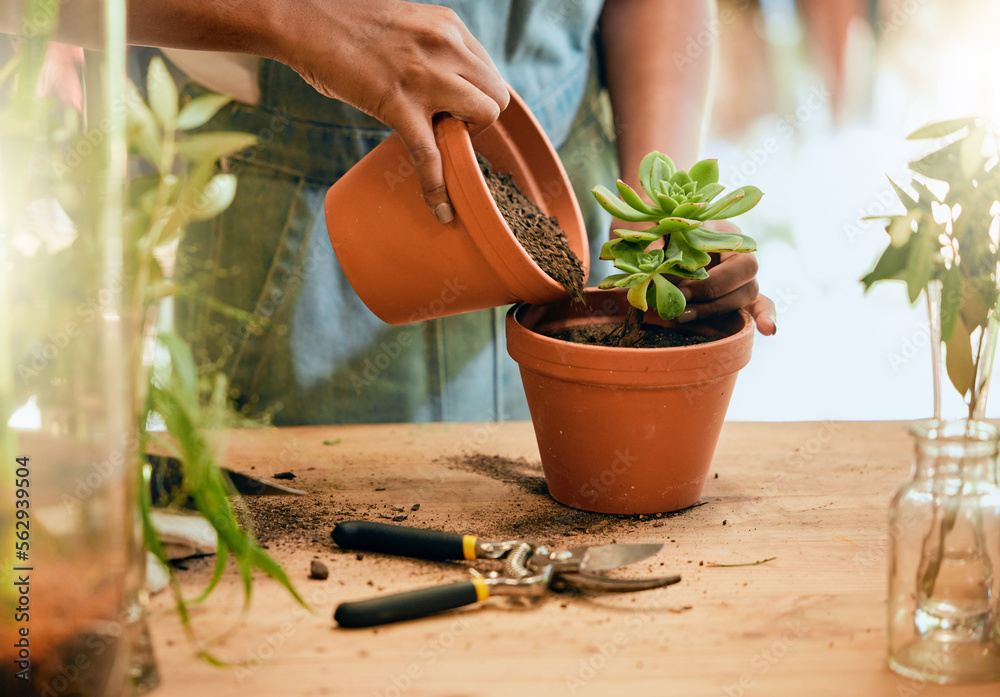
(680, 178)
(681, 254)
(618, 208)
(646, 172)
(690, 210)
(669, 299)
(696, 275)
(662, 171)
(705, 172)
(710, 191)
(648, 261)
(712, 241)
(668, 204)
(633, 200)
(637, 293)
(613, 280)
(673, 224)
(638, 236)
(607, 249)
(738, 203)
(941, 129)
(628, 255)
(748, 244)
(199, 110)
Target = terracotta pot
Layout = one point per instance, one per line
(624, 430)
(406, 266)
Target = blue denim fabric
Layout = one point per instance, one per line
(312, 353)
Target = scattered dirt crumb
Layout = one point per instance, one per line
(318, 570)
(415, 507)
(284, 475)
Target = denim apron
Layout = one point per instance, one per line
(308, 351)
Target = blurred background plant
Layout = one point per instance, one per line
(945, 244)
(183, 185)
(66, 276)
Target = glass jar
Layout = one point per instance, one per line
(70, 571)
(944, 575)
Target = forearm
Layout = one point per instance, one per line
(659, 88)
(253, 27)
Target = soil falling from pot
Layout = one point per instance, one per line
(643, 336)
(539, 234)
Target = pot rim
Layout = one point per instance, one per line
(537, 351)
(478, 211)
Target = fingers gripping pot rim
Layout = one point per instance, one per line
(406, 266)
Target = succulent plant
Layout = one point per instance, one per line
(680, 203)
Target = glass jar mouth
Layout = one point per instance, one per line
(977, 438)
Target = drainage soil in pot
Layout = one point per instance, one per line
(650, 336)
(539, 234)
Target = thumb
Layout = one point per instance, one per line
(763, 312)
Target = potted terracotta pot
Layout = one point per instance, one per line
(406, 266)
(625, 430)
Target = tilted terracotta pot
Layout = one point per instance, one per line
(624, 430)
(406, 266)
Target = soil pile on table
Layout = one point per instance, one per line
(537, 516)
(539, 234)
(528, 512)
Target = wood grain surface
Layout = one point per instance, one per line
(811, 622)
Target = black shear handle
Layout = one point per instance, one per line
(434, 545)
(410, 605)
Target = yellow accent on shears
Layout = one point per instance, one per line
(469, 547)
(482, 590)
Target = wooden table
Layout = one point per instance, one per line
(810, 622)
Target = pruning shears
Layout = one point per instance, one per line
(528, 569)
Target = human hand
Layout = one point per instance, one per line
(731, 284)
(401, 63)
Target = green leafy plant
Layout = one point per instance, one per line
(177, 182)
(183, 186)
(680, 203)
(947, 240)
